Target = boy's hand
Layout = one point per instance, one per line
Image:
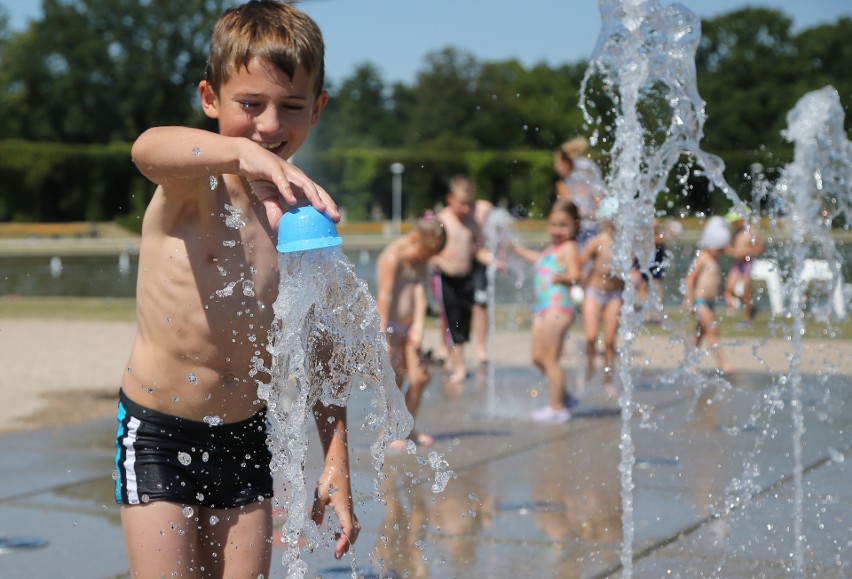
(333, 489)
(273, 179)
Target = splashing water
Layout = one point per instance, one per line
(644, 60)
(498, 236)
(325, 339)
(814, 190)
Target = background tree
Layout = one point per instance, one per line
(825, 53)
(102, 71)
(745, 70)
(444, 102)
(95, 71)
(360, 113)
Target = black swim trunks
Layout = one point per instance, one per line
(160, 457)
(454, 296)
(480, 283)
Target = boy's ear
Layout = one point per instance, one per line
(209, 100)
(319, 105)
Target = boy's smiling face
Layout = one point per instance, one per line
(260, 102)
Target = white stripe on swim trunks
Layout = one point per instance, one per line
(130, 461)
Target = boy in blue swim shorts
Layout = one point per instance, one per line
(702, 283)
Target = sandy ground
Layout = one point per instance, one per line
(59, 372)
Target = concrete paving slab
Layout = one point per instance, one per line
(526, 500)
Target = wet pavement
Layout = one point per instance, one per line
(715, 491)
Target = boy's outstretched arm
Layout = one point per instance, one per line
(173, 157)
(334, 487)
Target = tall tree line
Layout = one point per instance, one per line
(101, 71)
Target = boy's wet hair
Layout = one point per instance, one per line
(431, 233)
(270, 30)
(569, 208)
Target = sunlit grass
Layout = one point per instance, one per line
(515, 317)
(96, 309)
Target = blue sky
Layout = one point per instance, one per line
(395, 35)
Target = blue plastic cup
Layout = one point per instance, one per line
(304, 229)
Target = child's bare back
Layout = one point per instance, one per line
(406, 282)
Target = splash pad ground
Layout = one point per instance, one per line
(528, 500)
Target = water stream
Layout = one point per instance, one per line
(325, 340)
(645, 54)
(814, 191)
(644, 60)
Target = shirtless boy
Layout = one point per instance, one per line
(401, 302)
(603, 294)
(452, 281)
(702, 284)
(192, 466)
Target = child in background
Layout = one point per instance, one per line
(603, 295)
(745, 247)
(452, 282)
(479, 315)
(703, 281)
(651, 279)
(192, 466)
(557, 270)
(401, 302)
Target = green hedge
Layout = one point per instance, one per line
(50, 182)
(47, 182)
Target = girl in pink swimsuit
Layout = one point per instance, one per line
(557, 268)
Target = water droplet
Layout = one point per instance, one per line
(196, 151)
(213, 420)
(184, 458)
(213, 520)
(234, 218)
(188, 512)
(248, 288)
(192, 378)
(214, 182)
(226, 291)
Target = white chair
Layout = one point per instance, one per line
(812, 270)
(818, 270)
(767, 272)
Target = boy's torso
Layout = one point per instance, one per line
(708, 278)
(602, 275)
(208, 277)
(456, 259)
